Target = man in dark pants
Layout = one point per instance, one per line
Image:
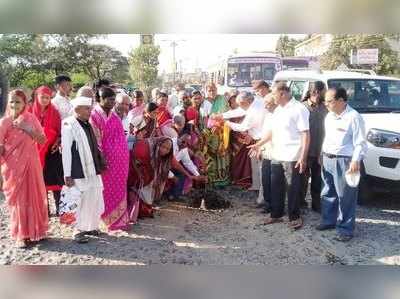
(343, 150)
(289, 133)
(314, 102)
(266, 152)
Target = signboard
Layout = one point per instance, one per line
(254, 60)
(147, 39)
(367, 56)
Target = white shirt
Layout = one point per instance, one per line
(253, 121)
(286, 126)
(177, 110)
(173, 101)
(238, 112)
(182, 155)
(63, 105)
(345, 134)
(205, 108)
(266, 149)
(125, 124)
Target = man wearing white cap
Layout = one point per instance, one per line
(82, 164)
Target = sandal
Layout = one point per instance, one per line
(21, 244)
(271, 220)
(296, 224)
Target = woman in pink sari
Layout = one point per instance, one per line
(112, 141)
(23, 185)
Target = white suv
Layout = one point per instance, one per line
(377, 99)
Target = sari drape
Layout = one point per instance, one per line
(113, 144)
(23, 185)
(217, 157)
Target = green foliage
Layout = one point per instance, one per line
(79, 79)
(33, 79)
(339, 52)
(285, 45)
(143, 66)
(29, 59)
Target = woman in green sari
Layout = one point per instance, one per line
(216, 154)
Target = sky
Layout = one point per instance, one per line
(196, 50)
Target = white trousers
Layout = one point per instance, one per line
(90, 209)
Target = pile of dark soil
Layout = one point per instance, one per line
(212, 199)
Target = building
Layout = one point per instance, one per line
(315, 46)
(318, 44)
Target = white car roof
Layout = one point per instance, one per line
(325, 75)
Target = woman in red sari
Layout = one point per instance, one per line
(23, 185)
(240, 167)
(50, 156)
(150, 163)
(164, 117)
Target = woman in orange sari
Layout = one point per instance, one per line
(23, 184)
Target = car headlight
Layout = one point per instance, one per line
(382, 138)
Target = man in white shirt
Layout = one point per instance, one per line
(173, 99)
(266, 153)
(289, 133)
(184, 103)
(61, 100)
(82, 168)
(261, 88)
(343, 149)
(181, 154)
(252, 124)
(121, 108)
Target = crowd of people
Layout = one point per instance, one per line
(117, 154)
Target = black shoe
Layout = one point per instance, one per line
(342, 238)
(80, 238)
(322, 227)
(95, 233)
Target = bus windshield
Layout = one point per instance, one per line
(366, 95)
(241, 74)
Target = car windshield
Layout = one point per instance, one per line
(241, 74)
(367, 95)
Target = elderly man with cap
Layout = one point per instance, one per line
(82, 164)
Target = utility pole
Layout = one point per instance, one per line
(174, 44)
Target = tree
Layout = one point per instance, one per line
(143, 65)
(20, 56)
(341, 46)
(31, 59)
(99, 61)
(285, 45)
